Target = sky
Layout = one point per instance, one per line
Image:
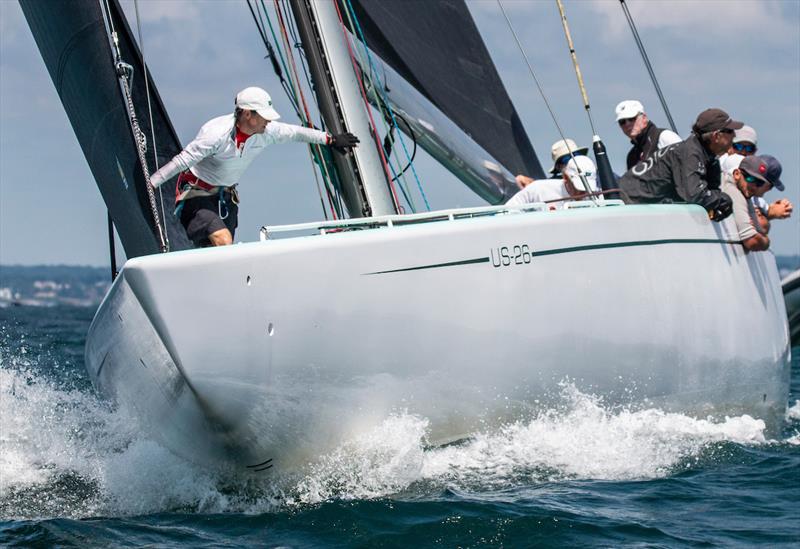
(739, 55)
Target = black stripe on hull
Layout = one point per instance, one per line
(572, 249)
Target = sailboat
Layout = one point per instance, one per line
(331, 327)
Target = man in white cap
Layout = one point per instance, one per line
(645, 136)
(561, 151)
(578, 178)
(212, 164)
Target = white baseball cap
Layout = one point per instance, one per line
(256, 99)
(629, 108)
(582, 165)
(746, 134)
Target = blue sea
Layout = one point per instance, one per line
(76, 472)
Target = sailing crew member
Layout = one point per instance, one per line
(645, 136)
(212, 164)
(747, 176)
(745, 143)
(687, 171)
(561, 151)
(578, 177)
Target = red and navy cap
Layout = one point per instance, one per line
(774, 170)
(755, 167)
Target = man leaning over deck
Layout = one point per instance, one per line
(745, 143)
(212, 164)
(687, 171)
(747, 175)
(569, 187)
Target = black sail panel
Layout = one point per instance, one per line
(72, 38)
(437, 48)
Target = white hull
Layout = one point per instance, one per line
(281, 349)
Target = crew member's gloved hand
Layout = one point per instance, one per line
(722, 209)
(342, 142)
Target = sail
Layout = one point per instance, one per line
(439, 136)
(436, 47)
(74, 44)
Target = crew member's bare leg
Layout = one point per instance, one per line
(221, 237)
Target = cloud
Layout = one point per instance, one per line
(152, 12)
(690, 20)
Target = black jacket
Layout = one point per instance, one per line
(683, 172)
(644, 144)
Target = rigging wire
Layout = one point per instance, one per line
(647, 64)
(533, 74)
(374, 132)
(413, 151)
(351, 15)
(574, 56)
(314, 150)
(295, 79)
(150, 114)
(389, 132)
(541, 90)
(124, 73)
(334, 197)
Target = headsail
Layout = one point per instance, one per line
(74, 44)
(436, 47)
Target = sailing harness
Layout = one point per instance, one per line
(190, 186)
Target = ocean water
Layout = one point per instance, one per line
(75, 471)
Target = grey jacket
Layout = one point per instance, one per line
(683, 172)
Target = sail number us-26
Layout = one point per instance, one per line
(506, 256)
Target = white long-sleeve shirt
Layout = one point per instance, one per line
(213, 156)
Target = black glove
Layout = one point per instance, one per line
(342, 142)
(722, 209)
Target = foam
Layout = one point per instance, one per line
(582, 440)
(65, 452)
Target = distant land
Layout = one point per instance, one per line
(51, 285)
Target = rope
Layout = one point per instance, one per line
(314, 150)
(366, 106)
(389, 135)
(150, 114)
(538, 85)
(294, 78)
(647, 64)
(353, 19)
(123, 69)
(575, 64)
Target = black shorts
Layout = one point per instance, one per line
(200, 216)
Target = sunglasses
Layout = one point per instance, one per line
(750, 179)
(741, 147)
(624, 121)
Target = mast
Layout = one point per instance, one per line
(365, 187)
